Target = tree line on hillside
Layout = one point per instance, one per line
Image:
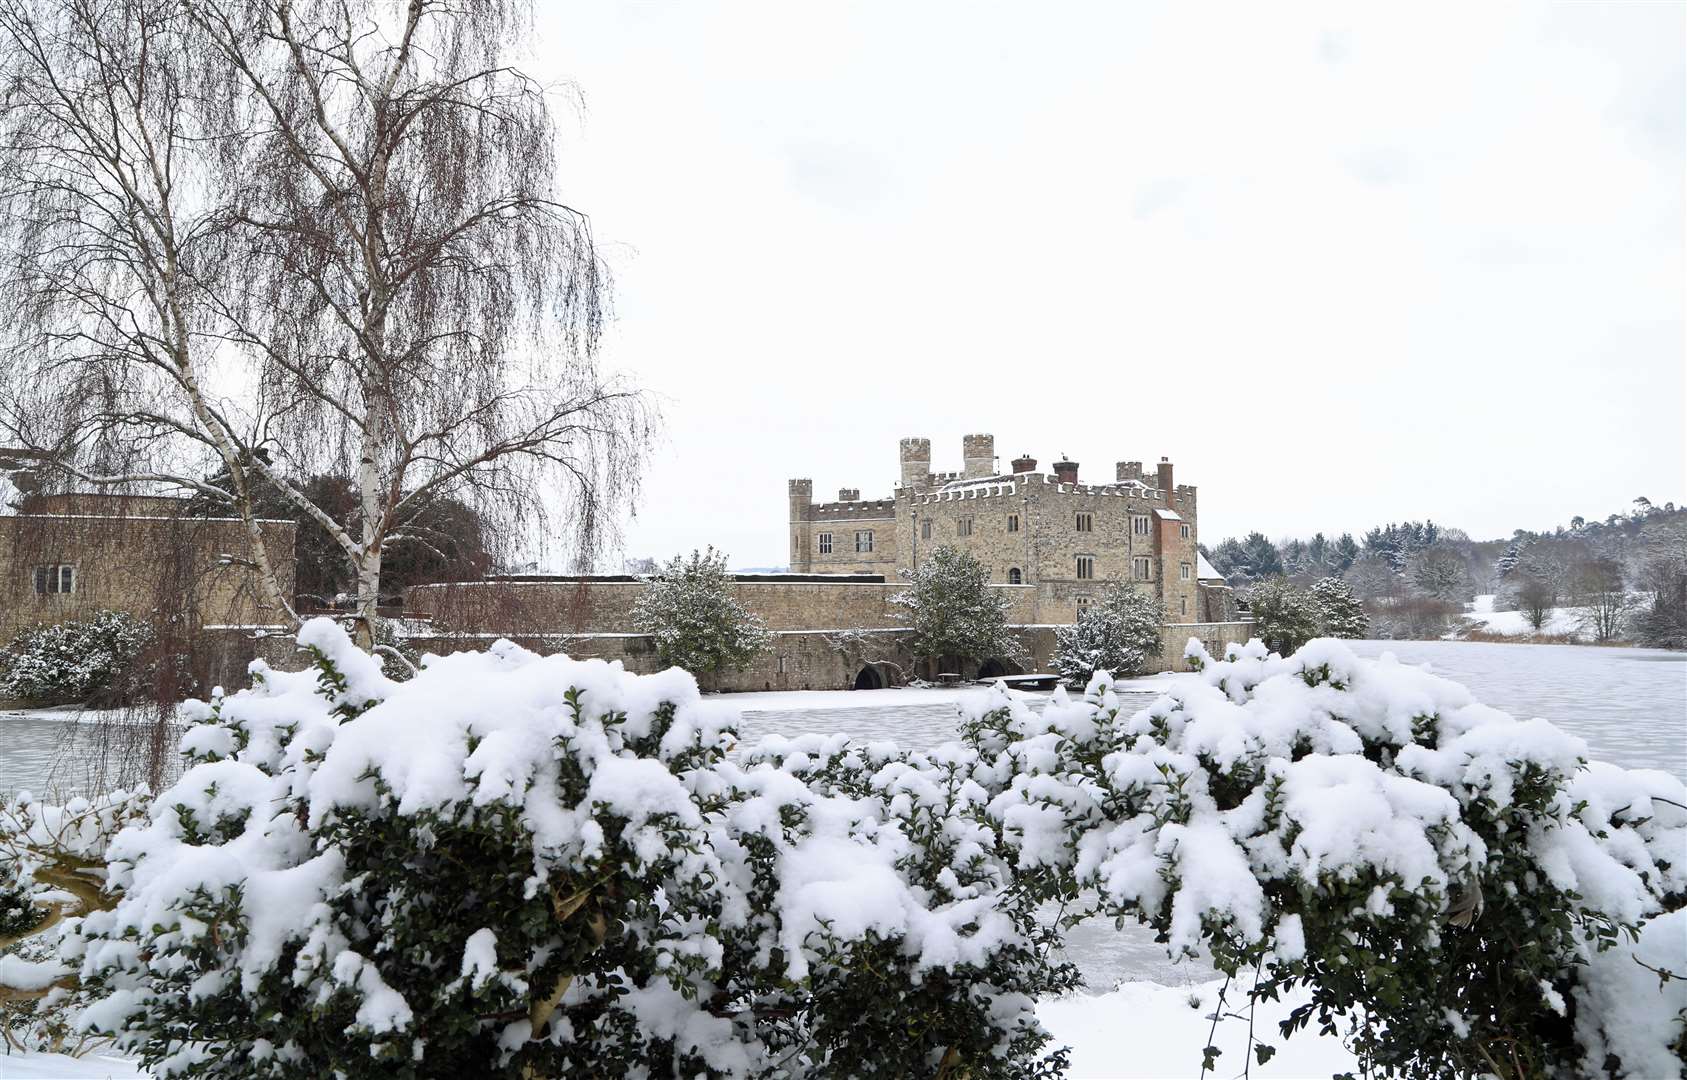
(1623, 577)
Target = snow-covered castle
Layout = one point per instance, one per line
(1058, 538)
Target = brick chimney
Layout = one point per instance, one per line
(1066, 471)
(1166, 476)
(1024, 463)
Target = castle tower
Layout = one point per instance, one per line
(978, 456)
(916, 463)
(802, 508)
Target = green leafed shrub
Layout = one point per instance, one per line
(90, 661)
(521, 866)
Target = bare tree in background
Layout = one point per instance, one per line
(1603, 597)
(369, 263)
(107, 242)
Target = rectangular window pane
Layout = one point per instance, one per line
(825, 543)
(864, 541)
(1013, 523)
(925, 530)
(67, 579)
(41, 581)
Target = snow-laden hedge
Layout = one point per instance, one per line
(1440, 874)
(524, 866)
(90, 660)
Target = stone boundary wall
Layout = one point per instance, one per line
(606, 607)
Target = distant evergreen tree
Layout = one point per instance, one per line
(955, 614)
(1346, 553)
(1340, 613)
(696, 621)
(1116, 635)
(1505, 564)
(1263, 558)
(1285, 618)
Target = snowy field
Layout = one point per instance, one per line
(1560, 621)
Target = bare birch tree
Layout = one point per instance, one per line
(374, 264)
(107, 255)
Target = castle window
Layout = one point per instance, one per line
(1183, 530)
(925, 529)
(1142, 568)
(1086, 567)
(1086, 523)
(1183, 605)
(55, 579)
(1013, 523)
(864, 540)
(1139, 524)
(825, 543)
(1184, 571)
(963, 526)
(1083, 604)
(1014, 576)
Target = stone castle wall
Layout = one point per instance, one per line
(141, 564)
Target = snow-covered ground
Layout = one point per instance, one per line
(36, 1066)
(1560, 621)
(1139, 1030)
(1147, 1030)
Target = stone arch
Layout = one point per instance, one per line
(868, 678)
(996, 667)
(1014, 576)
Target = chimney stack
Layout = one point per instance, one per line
(916, 463)
(1166, 477)
(1024, 463)
(1066, 471)
(978, 456)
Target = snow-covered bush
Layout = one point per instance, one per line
(522, 866)
(1341, 614)
(1285, 618)
(90, 660)
(1440, 875)
(954, 614)
(696, 623)
(1115, 636)
(50, 857)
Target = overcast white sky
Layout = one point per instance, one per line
(1341, 264)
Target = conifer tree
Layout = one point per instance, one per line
(1340, 614)
(697, 624)
(1115, 636)
(956, 616)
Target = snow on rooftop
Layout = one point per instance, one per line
(1167, 515)
(1205, 569)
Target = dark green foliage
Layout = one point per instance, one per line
(1285, 618)
(92, 661)
(956, 616)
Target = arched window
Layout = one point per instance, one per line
(1014, 577)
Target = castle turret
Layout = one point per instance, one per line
(802, 509)
(849, 494)
(1166, 477)
(916, 463)
(978, 456)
